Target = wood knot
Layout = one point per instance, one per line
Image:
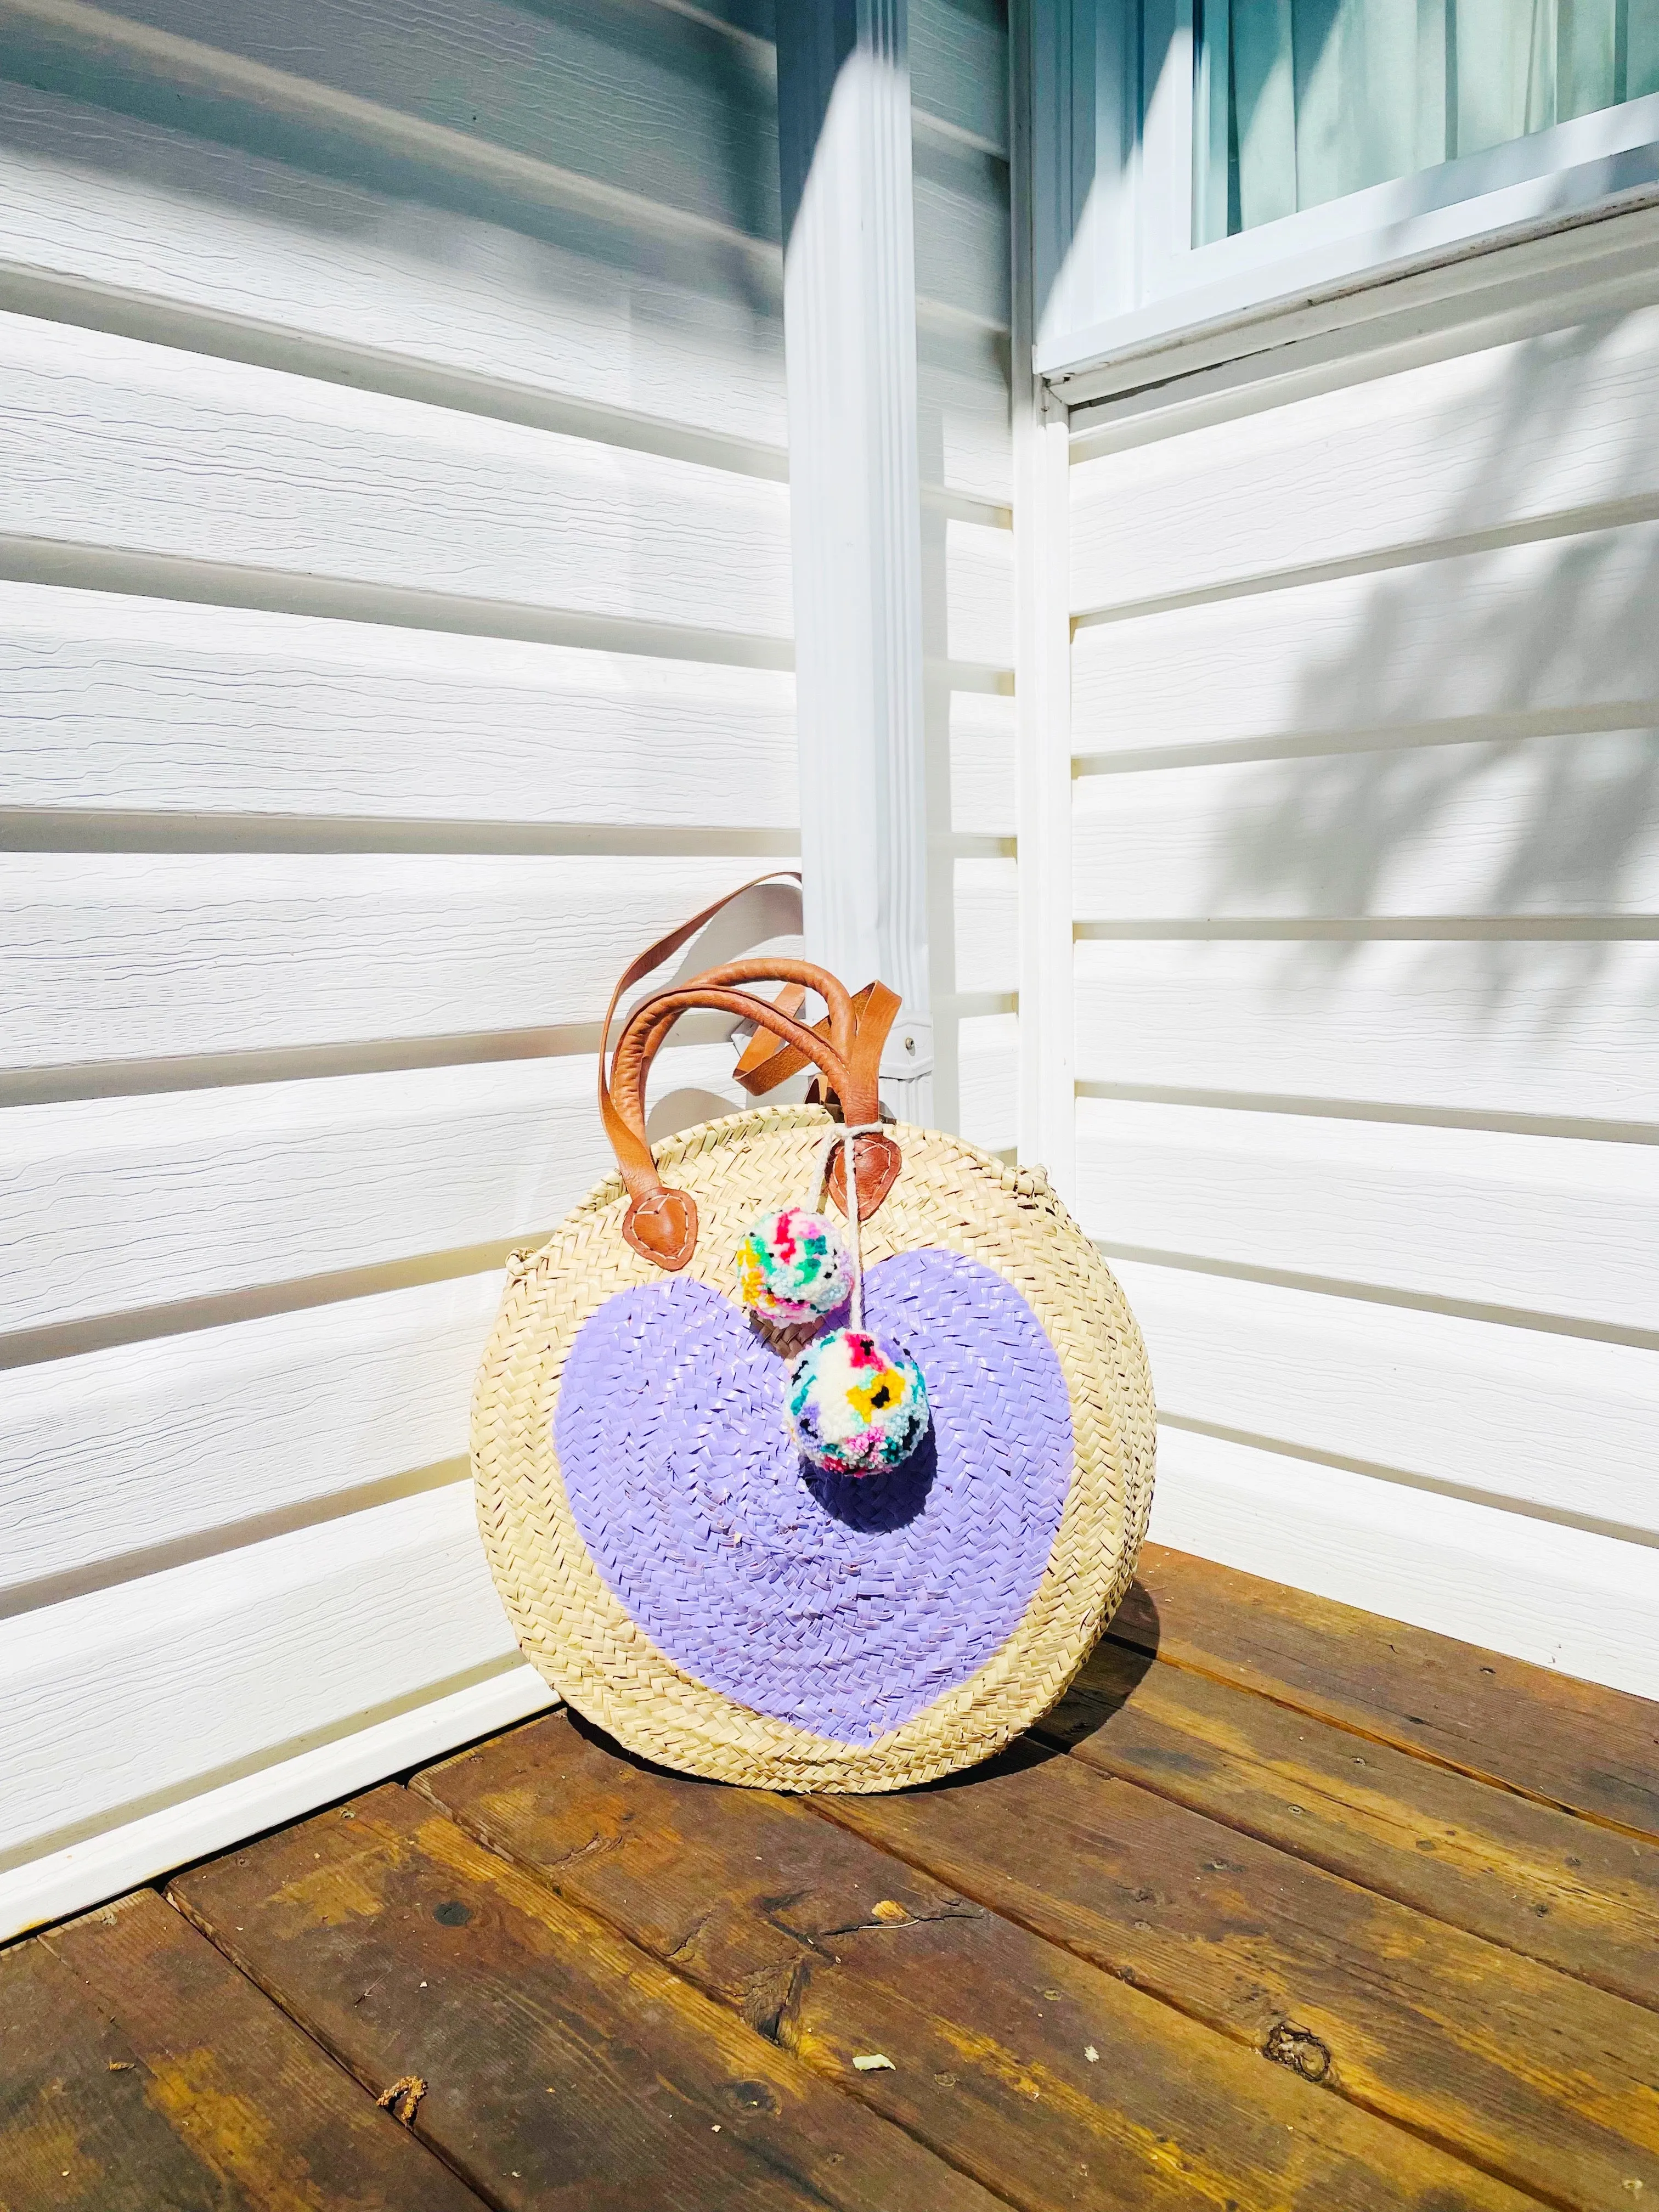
(1298, 2048)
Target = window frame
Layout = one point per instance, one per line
(1123, 241)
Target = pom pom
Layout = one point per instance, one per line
(793, 1266)
(855, 1407)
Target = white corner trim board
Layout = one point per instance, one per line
(849, 289)
(127, 1700)
(103, 1866)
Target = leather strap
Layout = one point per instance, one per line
(845, 1046)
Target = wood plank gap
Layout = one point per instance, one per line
(1570, 522)
(1338, 1286)
(1570, 1744)
(135, 573)
(1519, 1874)
(1479, 2052)
(544, 2035)
(143, 2069)
(1470, 1770)
(1366, 1109)
(1057, 2083)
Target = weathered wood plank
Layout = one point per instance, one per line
(1575, 1744)
(1521, 1874)
(1543, 2081)
(138, 2069)
(1053, 2083)
(563, 2067)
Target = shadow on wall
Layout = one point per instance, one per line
(1467, 735)
(1539, 662)
(766, 919)
(449, 177)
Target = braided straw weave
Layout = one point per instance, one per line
(948, 1197)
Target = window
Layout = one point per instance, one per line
(1196, 159)
(1300, 102)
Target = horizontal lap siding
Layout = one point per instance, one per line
(1514, 438)
(1518, 1416)
(1366, 885)
(1535, 639)
(1547, 1225)
(1490, 1027)
(126, 1456)
(466, 320)
(113, 1205)
(279, 950)
(1558, 825)
(129, 704)
(120, 444)
(564, 306)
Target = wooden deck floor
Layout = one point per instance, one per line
(1285, 1906)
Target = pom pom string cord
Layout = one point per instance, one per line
(843, 1136)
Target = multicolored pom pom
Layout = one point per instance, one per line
(793, 1267)
(856, 1408)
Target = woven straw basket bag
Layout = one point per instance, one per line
(675, 1561)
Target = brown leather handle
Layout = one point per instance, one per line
(661, 1223)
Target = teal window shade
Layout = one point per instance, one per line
(1299, 101)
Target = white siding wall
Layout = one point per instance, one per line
(394, 624)
(1365, 689)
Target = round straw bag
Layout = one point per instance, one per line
(672, 1563)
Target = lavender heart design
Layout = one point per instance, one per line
(840, 1606)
